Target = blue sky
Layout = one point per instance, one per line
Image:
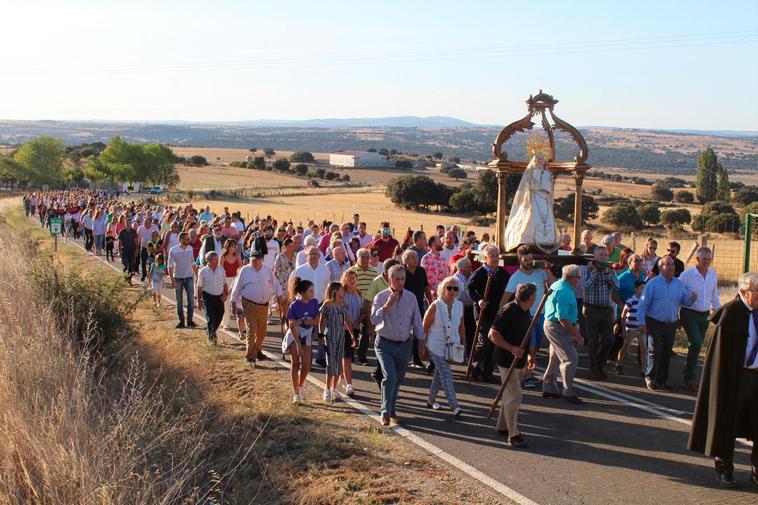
(664, 64)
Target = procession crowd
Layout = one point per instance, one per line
(429, 299)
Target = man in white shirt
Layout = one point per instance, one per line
(449, 248)
(363, 237)
(254, 287)
(213, 242)
(703, 280)
(302, 258)
(272, 245)
(211, 292)
(145, 234)
(182, 269)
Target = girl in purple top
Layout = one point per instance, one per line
(302, 317)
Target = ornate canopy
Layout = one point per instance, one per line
(540, 108)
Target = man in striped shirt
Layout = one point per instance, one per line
(366, 274)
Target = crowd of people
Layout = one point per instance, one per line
(421, 298)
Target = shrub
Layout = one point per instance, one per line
(403, 164)
(330, 176)
(320, 173)
(345, 177)
(650, 214)
(684, 197)
(301, 169)
(269, 152)
(623, 215)
(718, 217)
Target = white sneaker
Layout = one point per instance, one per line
(303, 393)
(343, 384)
(296, 399)
(336, 396)
(327, 395)
(435, 406)
(349, 391)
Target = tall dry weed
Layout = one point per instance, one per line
(67, 435)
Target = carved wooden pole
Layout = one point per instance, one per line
(578, 179)
(501, 200)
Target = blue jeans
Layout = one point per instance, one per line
(187, 284)
(99, 242)
(393, 358)
(538, 333)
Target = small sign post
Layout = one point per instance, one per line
(56, 227)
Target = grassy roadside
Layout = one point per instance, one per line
(262, 448)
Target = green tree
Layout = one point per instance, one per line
(437, 156)
(684, 197)
(624, 215)
(330, 176)
(706, 183)
(403, 164)
(464, 201)
(722, 189)
(301, 169)
(457, 173)
(675, 217)
(650, 214)
(302, 157)
(123, 161)
(40, 161)
(269, 152)
(746, 195)
(160, 161)
(320, 173)
(717, 216)
(564, 207)
(282, 165)
(661, 192)
(346, 177)
(259, 163)
(454, 159)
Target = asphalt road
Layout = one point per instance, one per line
(624, 445)
(627, 449)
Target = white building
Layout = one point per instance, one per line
(357, 159)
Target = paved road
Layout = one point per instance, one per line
(625, 444)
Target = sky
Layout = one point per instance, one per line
(645, 64)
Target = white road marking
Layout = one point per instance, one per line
(432, 449)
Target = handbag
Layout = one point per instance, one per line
(454, 352)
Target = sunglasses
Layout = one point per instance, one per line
(451, 288)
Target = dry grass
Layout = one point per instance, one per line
(225, 155)
(373, 207)
(70, 433)
(307, 454)
(220, 178)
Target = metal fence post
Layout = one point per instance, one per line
(748, 238)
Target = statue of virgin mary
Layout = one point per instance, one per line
(531, 221)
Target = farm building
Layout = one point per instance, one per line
(357, 159)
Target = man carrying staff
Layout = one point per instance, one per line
(727, 403)
(395, 315)
(486, 309)
(561, 330)
(507, 333)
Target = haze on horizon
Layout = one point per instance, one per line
(662, 65)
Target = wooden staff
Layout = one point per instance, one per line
(487, 287)
(524, 343)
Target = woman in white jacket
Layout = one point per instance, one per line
(443, 324)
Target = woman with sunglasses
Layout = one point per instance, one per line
(443, 325)
(374, 261)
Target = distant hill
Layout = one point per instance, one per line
(365, 122)
(666, 152)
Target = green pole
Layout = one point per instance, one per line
(748, 237)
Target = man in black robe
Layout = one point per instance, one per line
(727, 402)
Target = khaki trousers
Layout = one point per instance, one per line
(256, 317)
(507, 420)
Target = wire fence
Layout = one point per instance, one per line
(728, 253)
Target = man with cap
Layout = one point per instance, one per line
(255, 285)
